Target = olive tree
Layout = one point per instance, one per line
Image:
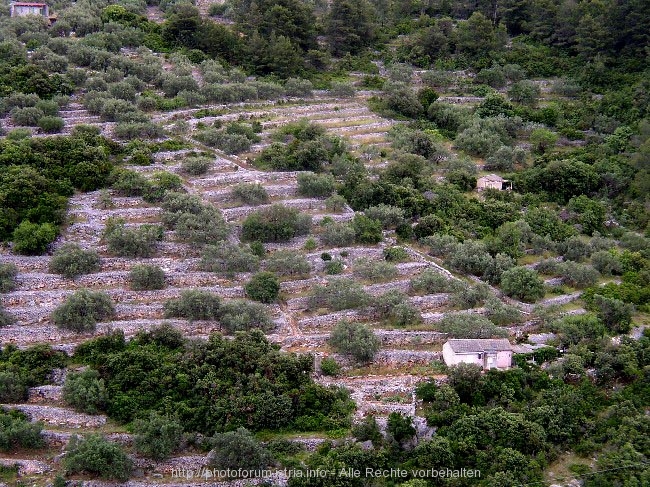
(96, 455)
(157, 436)
(72, 261)
(355, 340)
(85, 391)
(338, 294)
(82, 310)
(143, 277)
(522, 283)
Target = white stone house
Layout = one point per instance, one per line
(493, 181)
(23, 9)
(486, 353)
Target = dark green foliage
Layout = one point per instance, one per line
(368, 430)
(194, 304)
(400, 427)
(395, 307)
(330, 367)
(131, 242)
(193, 220)
(143, 277)
(367, 230)
(276, 223)
(263, 287)
(237, 450)
(96, 455)
(17, 432)
(395, 254)
(72, 261)
(8, 273)
(50, 124)
(214, 385)
(33, 239)
(85, 391)
(157, 436)
(522, 283)
(82, 310)
(196, 166)
(355, 340)
(337, 234)
(615, 314)
(315, 185)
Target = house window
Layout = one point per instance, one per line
(480, 355)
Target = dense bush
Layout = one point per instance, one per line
(337, 234)
(315, 185)
(263, 286)
(469, 326)
(72, 261)
(355, 340)
(33, 239)
(367, 230)
(288, 263)
(193, 220)
(96, 455)
(28, 116)
(241, 315)
(431, 281)
(17, 432)
(276, 223)
(237, 450)
(389, 216)
(144, 277)
(579, 275)
(522, 283)
(82, 310)
(157, 436)
(338, 294)
(194, 304)
(395, 307)
(8, 273)
(335, 203)
(196, 166)
(251, 193)
(85, 391)
(50, 124)
(614, 313)
(228, 258)
(140, 241)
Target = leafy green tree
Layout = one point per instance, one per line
(237, 450)
(542, 140)
(288, 263)
(263, 286)
(143, 277)
(338, 234)
(614, 313)
(157, 436)
(355, 340)
(72, 261)
(470, 326)
(85, 391)
(522, 283)
(32, 239)
(330, 367)
(82, 310)
(131, 242)
(98, 456)
(367, 230)
(525, 92)
(349, 26)
(228, 258)
(478, 39)
(368, 430)
(241, 315)
(315, 185)
(251, 193)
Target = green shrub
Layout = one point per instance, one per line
(374, 270)
(228, 258)
(143, 277)
(131, 242)
(13, 388)
(522, 283)
(388, 216)
(288, 263)
(28, 116)
(51, 125)
(276, 223)
(337, 234)
(196, 166)
(263, 286)
(578, 275)
(194, 304)
(395, 254)
(330, 367)
(338, 294)
(98, 456)
(237, 450)
(355, 340)
(160, 183)
(8, 273)
(157, 436)
(431, 281)
(315, 185)
(335, 203)
(334, 267)
(470, 326)
(395, 307)
(525, 92)
(85, 391)
(72, 261)
(126, 182)
(33, 239)
(17, 432)
(251, 193)
(367, 230)
(242, 315)
(82, 310)
(614, 313)
(6, 318)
